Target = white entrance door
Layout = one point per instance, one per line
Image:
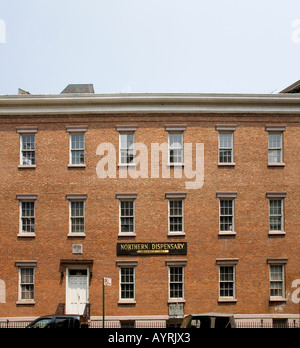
(77, 291)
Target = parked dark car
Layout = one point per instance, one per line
(209, 321)
(58, 322)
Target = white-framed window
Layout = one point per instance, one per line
(276, 212)
(127, 149)
(77, 149)
(275, 147)
(76, 214)
(127, 283)
(127, 208)
(176, 215)
(27, 149)
(226, 212)
(27, 215)
(27, 223)
(227, 282)
(226, 144)
(77, 217)
(126, 213)
(226, 147)
(176, 282)
(27, 146)
(175, 148)
(77, 146)
(226, 215)
(276, 215)
(26, 283)
(277, 279)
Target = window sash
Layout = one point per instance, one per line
(127, 149)
(226, 147)
(127, 283)
(276, 214)
(77, 145)
(176, 282)
(226, 207)
(27, 217)
(26, 283)
(127, 212)
(77, 217)
(176, 148)
(275, 147)
(277, 280)
(176, 216)
(28, 150)
(227, 282)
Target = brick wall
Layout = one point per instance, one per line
(250, 178)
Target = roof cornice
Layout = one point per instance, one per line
(149, 103)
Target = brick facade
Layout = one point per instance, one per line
(252, 249)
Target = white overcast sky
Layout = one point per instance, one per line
(150, 46)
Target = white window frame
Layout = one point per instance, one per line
(121, 216)
(122, 133)
(233, 297)
(176, 299)
(131, 265)
(227, 263)
(130, 299)
(77, 217)
(72, 198)
(25, 265)
(76, 130)
(179, 216)
(71, 164)
(178, 148)
(26, 198)
(282, 281)
(27, 131)
(275, 148)
(21, 232)
(227, 196)
(231, 149)
(276, 129)
(271, 231)
(276, 196)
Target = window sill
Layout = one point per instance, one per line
(126, 165)
(276, 165)
(127, 234)
(227, 233)
(277, 233)
(176, 300)
(26, 235)
(26, 166)
(25, 303)
(176, 234)
(227, 300)
(175, 164)
(74, 166)
(74, 235)
(278, 299)
(127, 302)
(226, 164)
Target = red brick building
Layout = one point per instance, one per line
(189, 203)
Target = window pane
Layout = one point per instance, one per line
(127, 283)
(176, 282)
(227, 281)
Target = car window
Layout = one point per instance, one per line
(63, 323)
(44, 323)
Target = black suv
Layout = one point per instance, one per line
(58, 322)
